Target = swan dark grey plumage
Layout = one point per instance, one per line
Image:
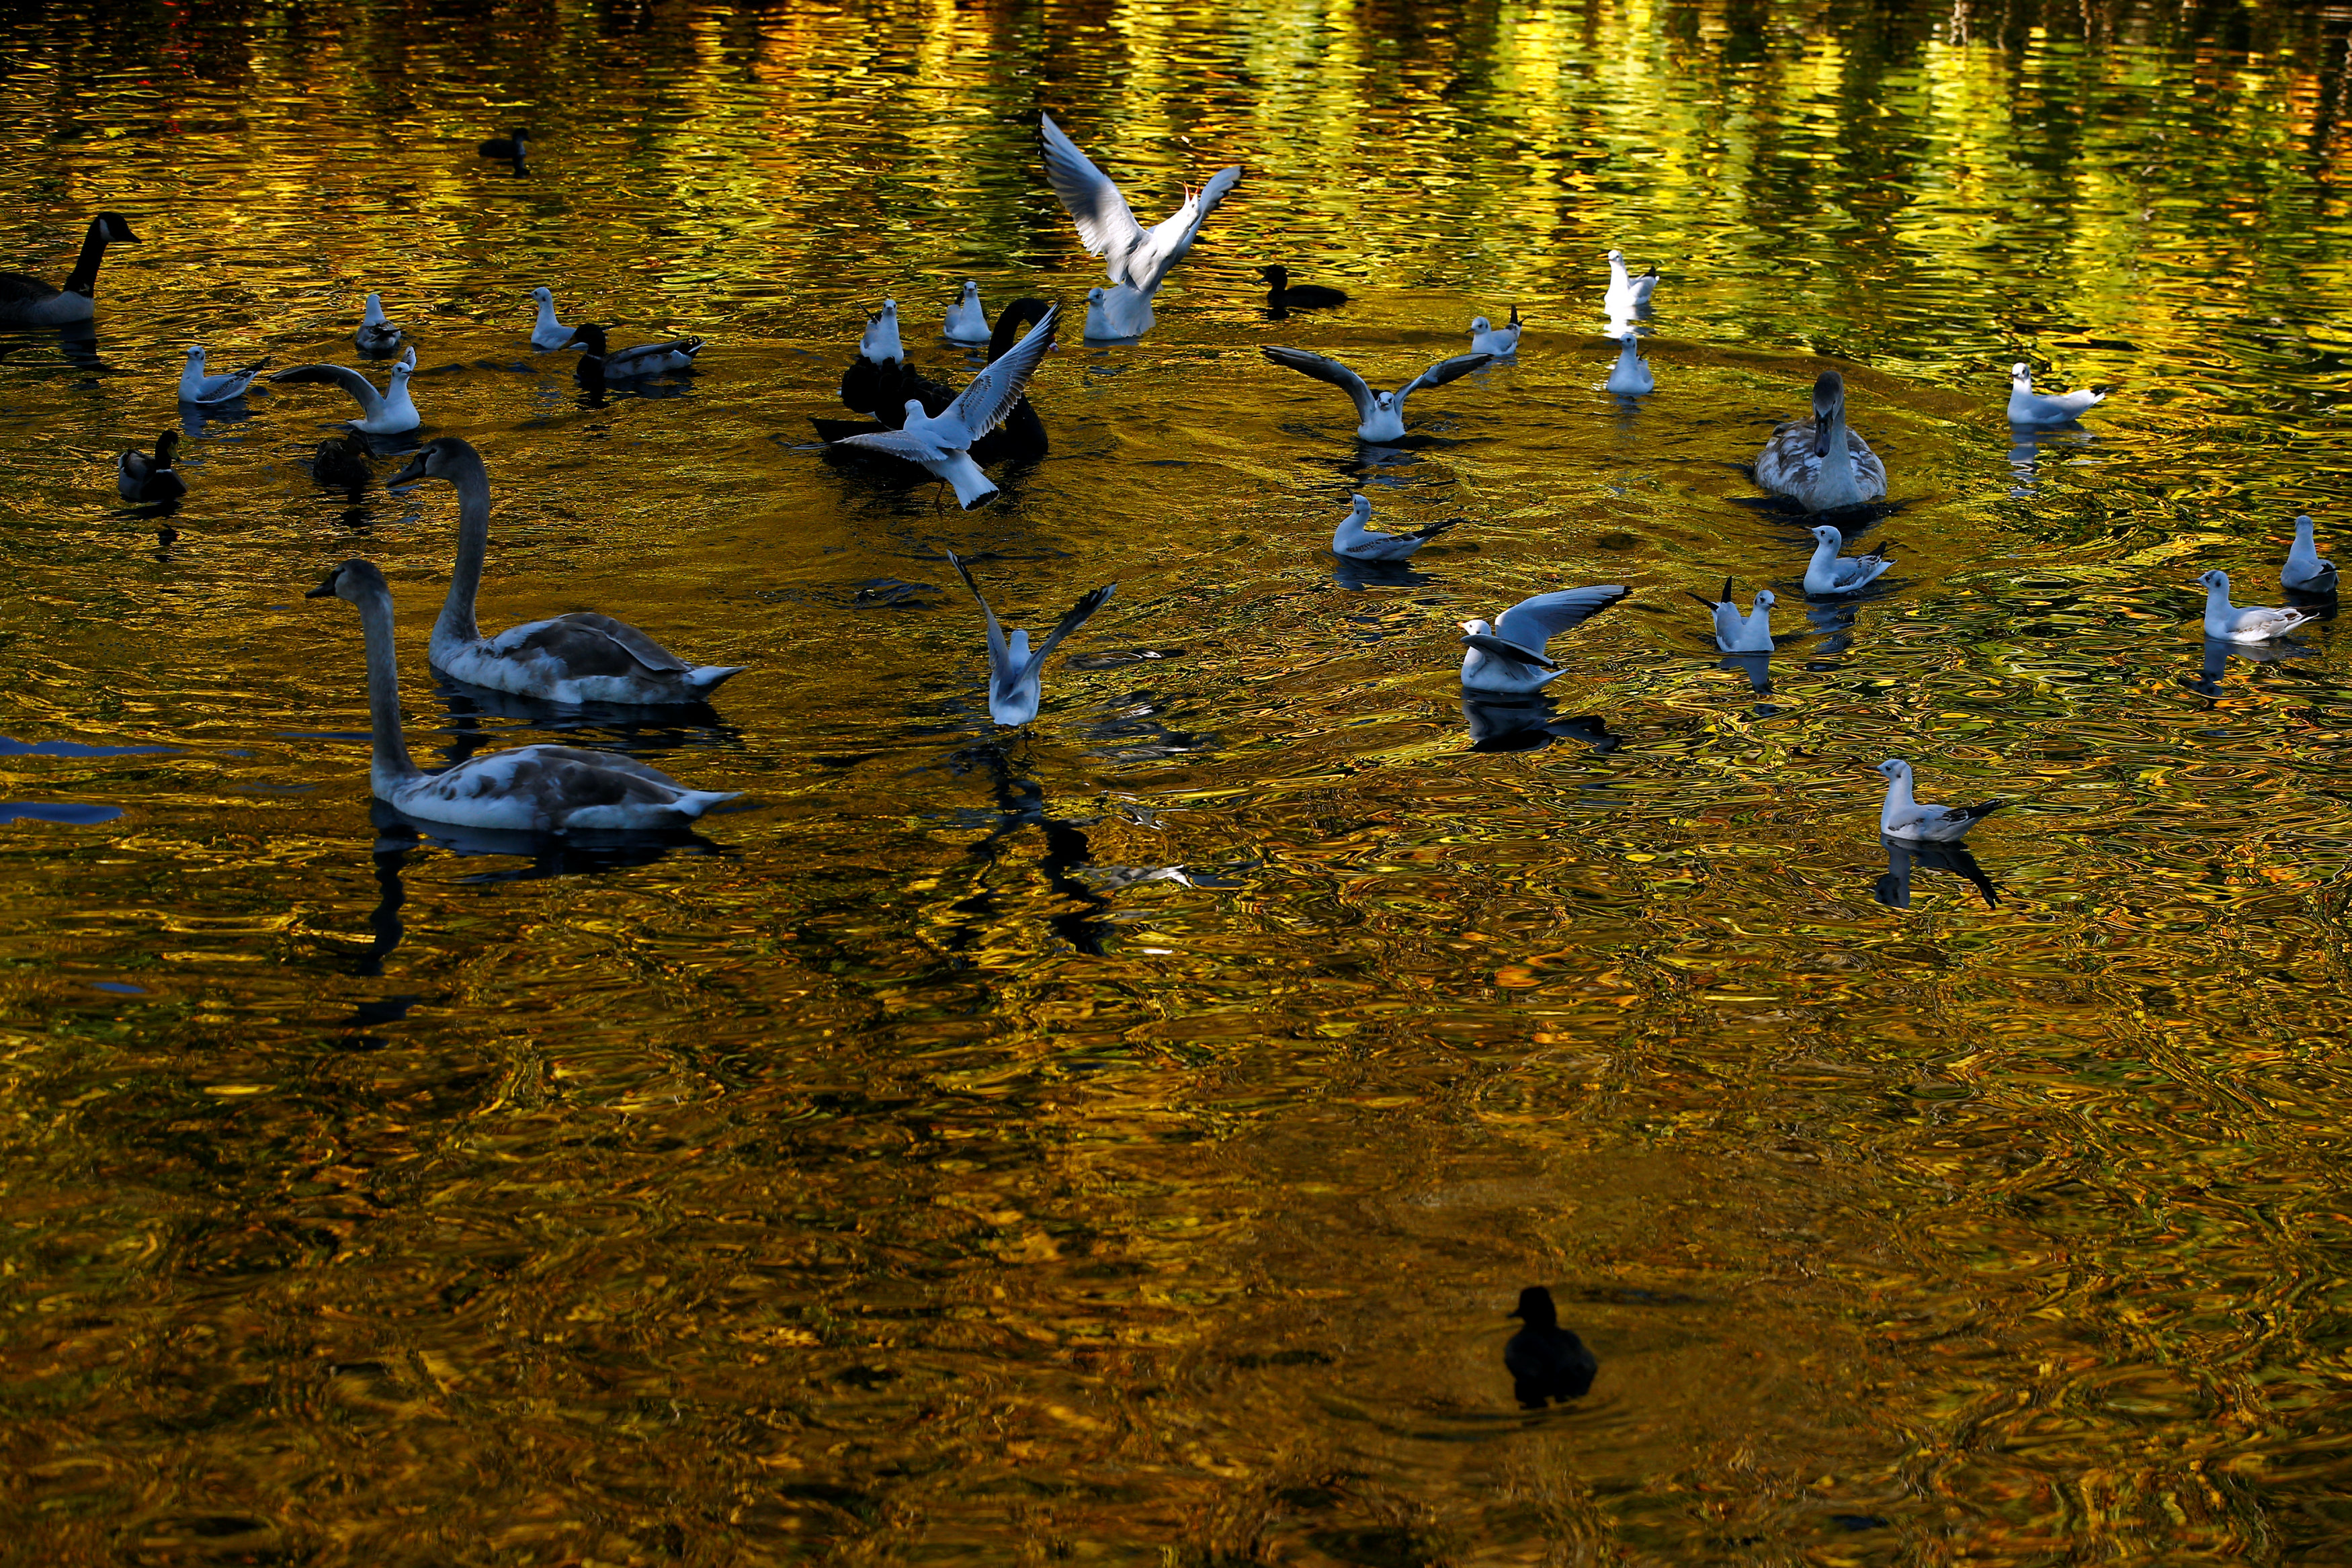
(1818, 463)
(139, 477)
(532, 788)
(26, 301)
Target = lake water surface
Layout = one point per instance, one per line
(1122, 1142)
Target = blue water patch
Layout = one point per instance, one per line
(118, 989)
(57, 811)
(13, 748)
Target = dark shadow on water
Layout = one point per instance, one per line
(1020, 802)
(2206, 680)
(1530, 723)
(1903, 855)
(611, 726)
(1358, 575)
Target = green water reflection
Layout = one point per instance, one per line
(1123, 1144)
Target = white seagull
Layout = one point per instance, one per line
(1379, 416)
(2248, 623)
(1827, 573)
(2304, 572)
(199, 388)
(1738, 633)
(1132, 255)
(387, 412)
(880, 341)
(967, 322)
(943, 446)
(376, 335)
(547, 333)
(1629, 377)
(1508, 655)
(1903, 818)
(1357, 542)
(1500, 342)
(1117, 311)
(1628, 293)
(2027, 406)
(1015, 675)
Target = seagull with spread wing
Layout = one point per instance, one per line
(1136, 258)
(1509, 657)
(1380, 415)
(942, 444)
(1015, 675)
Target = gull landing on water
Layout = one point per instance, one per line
(1380, 415)
(387, 412)
(1500, 342)
(1627, 293)
(1828, 573)
(942, 445)
(1509, 657)
(1738, 633)
(1357, 542)
(2305, 571)
(2247, 624)
(1134, 257)
(1903, 818)
(1015, 675)
(2027, 406)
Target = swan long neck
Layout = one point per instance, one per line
(1837, 463)
(84, 280)
(473, 483)
(392, 763)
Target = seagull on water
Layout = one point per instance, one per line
(1132, 255)
(376, 335)
(1357, 542)
(1508, 655)
(2027, 406)
(547, 333)
(199, 388)
(1828, 573)
(1627, 293)
(1738, 633)
(967, 322)
(1380, 415)
(2304, 572)
(387, 412)
(1903, 818)
(1500, 342)
(1629, 377)
(2244, 623)
(1015, 684)
(943, 444)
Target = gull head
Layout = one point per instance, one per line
(2215, 581)
(196, 355)
(1828, 406)
(1895, 769)
(1479, 324)
(1094, 296)
(889, 311)
(543, 294)
(1477, 628)
(1277, 276)
(2019, 376)
(915, 410)
(1764, 599)
(2302, 524)
(1360, 508)
(1829, 536)
(1384, 401)
(1617, 256)
(971, 290)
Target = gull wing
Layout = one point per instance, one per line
(1337, 374)
(1445, 370)
(1089, 602)
(1532, 623)
(1106, 224)
(362, 391)
(1509, 652)
(1164, 245)
(993, 393)
(895, 443)
(997, 656)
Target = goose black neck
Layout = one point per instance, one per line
(84, 280)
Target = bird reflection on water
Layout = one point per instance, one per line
(2206, 680)
(1020, 802)
(1530, 722)
(1894, 888)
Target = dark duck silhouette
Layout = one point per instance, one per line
(888, 385)
(514, 144)
(343, 465)
(1545, 1361)
(139, 477)
(1281, 294)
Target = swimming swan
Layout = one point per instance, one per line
(532, 788)
(1015, 675)
(387, 412)
(582, 657)
(1509, 657)
(1380, 415)
(1818, 462)
(199, 388)
(942, 444)
(26, 301)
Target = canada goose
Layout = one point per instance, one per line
(26, 301)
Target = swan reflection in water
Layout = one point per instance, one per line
(2206, 680)
(1894, 889)
(1529, 722)
(1356, 576)
(622, 727)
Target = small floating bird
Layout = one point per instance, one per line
(532, 788)
(2247, 624)
(1630, 376)
(1015, 675)
(942, 444)
(878, 378)
(199, 388)
(1510, 656)
(2305, 571)
(1818, 462)
(514, 144)
(547, 333)
(388, 413)
(1738, 633)
(878, 344)
(582, 657)
(342, 464)
(1118, 312)
(1380, 415)
(1132, 255)
(376, 335)
(1357, 542)
(1627, 293)
(1827, 573)
(26, 301)
(2027, 406)
(1281, 294)
(967, 322)
(1545, 1361)
(139, 477)
(598, 364)
(1486, 338)
(1903, 818)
